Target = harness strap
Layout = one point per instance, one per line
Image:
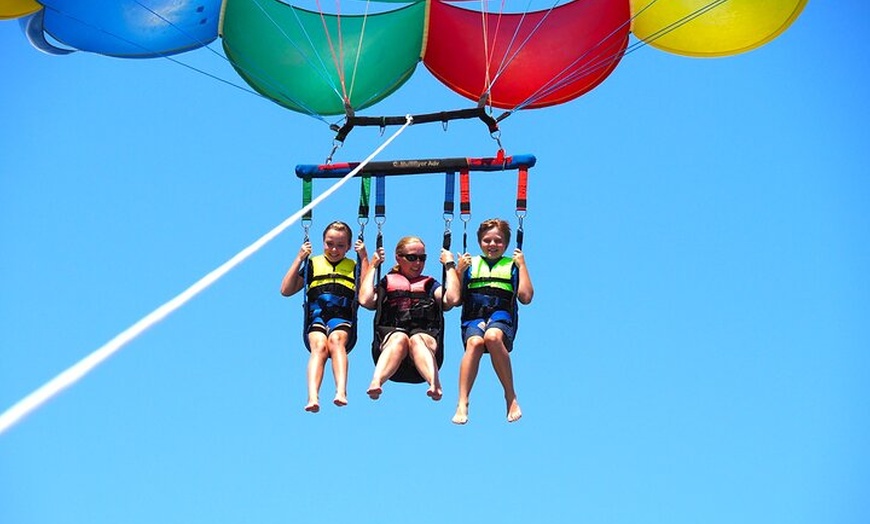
(449, 196)
(380, 217)
(306, 225)
(306, 199)
(365, 190)
(464, 205)
(449, 200)
(380, 199)
(522, 187)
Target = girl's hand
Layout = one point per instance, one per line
(304, 251)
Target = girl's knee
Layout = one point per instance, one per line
(336, 346)
(319, 351)
(316, 343)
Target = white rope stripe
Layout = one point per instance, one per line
(72, 374)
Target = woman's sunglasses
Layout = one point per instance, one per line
(410, 257)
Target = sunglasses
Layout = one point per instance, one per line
(413, 258)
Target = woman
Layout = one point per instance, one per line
(408, 323)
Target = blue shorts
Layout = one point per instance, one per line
(328, 326)
(477, 328)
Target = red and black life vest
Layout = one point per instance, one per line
(408, 303)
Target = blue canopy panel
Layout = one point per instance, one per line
(133, 28)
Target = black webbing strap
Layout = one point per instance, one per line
(441, 116)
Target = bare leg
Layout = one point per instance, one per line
(467, 374)
(336, 345)
(393, 351)
(423, 349)
(501, 362)
(316, 363)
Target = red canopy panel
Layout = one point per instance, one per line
(536, 59)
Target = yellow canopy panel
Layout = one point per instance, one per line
(710, 28)
(17, 8)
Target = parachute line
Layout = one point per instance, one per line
(77, 371)
(506, 60)
(358, 51)
(567, 76)
(178, 28)
(270, 80)
(157, 53)
(682, 21)
(337, 58)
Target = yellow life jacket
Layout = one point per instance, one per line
(323, 273)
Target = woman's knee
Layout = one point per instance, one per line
(423, 342)
(397, 344)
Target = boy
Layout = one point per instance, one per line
(491, 286)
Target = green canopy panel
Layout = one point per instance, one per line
(310, 62)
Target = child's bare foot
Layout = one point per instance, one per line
(461, 416)
(374, 391)
(340, 399)
(514, 413)
(434, 393)
(313, 406)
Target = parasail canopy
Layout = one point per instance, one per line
(543, 53)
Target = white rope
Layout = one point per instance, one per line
(72, 374)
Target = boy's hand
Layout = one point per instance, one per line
(519, 258)
(464, 262)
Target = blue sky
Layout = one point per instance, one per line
(697, 350)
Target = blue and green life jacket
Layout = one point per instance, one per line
(489, 290)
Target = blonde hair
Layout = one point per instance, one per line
(400, 246)
(503, 227)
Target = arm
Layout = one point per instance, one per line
(368, 297)
(452, 294)
(292, 282)
(525, 290)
